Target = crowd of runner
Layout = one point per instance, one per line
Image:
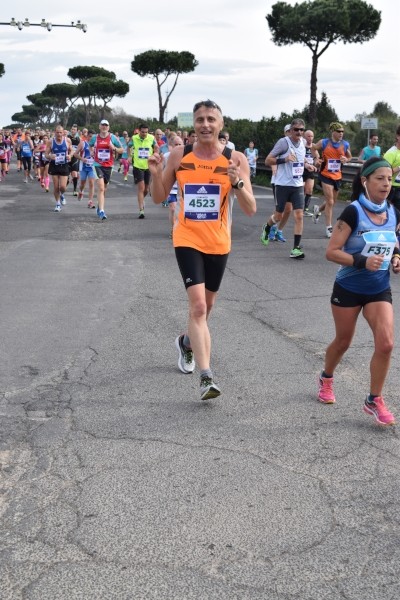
(198, 174)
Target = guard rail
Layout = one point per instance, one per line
(349, 170)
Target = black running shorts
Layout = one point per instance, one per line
(197, 267)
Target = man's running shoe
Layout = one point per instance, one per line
(272, 233)
(307, 213)
(141, 213)
(378, 409)
(57, 207)
(279, 237)
(91, 204)
(126, 178)
(185, 359)
(63, 200)
(74, 193)
(329, 231)
(208, 389)
(316, 213)
(102, 215)
(297, 253)
(325, 390)
(80, 195)
(265, 234)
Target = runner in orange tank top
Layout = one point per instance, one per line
(335, 152)
(207, 173)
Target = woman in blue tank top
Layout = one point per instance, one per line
(364, 243)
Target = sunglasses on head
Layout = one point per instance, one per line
(298, 128)
(207, 104)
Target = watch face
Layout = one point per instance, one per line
(240, 184)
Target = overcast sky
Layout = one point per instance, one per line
(239, 66)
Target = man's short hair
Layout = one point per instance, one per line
(207, 104)
(297, 121)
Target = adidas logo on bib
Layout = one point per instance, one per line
(202, 190)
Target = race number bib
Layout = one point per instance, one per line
(60, 158)
(143, 153)
(297, 170)
(89, 162)
(333, 165)
(202, 202)
(380, 243)
(104, 155)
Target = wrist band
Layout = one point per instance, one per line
(359, 261)
(280, 161)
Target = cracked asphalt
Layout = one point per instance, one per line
(117, 483)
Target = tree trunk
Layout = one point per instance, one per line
(313, 91)
(161, 107)
(161, 115)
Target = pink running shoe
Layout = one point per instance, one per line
(325, 390)
(378, 409)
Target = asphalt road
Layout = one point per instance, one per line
(118, 483)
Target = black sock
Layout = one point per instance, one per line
(297, 240)
(75, 182)
(371, 398)
(307, 199)
(325, 376)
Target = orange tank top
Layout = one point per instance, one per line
(332, 167)
(204, 213)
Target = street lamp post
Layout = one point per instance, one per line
(49, 26)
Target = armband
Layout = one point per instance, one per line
(280, 161)
(359, 261)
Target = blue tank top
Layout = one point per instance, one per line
(86, 154)
(26, 150)
(60, 150)
(362, 281)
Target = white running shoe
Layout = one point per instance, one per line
(316, 214)
(185, 359)
(208, 389)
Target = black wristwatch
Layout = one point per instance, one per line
(238, 185)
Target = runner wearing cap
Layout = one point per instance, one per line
(104, 145)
